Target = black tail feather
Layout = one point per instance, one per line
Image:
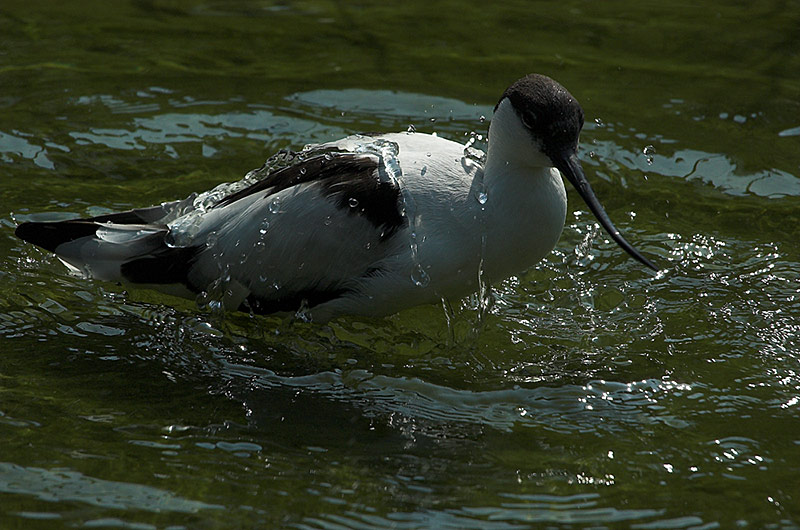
(49, 235)
(147, 260)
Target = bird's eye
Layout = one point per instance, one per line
(528, 120)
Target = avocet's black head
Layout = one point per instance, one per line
(553, 117)
(554, 120)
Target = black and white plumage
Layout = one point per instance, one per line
(367, 225)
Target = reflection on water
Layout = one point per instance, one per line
(64, 485)
(166, 122)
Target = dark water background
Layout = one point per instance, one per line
(591, 394)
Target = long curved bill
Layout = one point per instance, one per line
(571, 168)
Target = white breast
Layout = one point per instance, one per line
(460, 222)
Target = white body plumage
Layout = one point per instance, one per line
(366, 225)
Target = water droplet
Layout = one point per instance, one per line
(420, 277)
(648, 152)
(368, 246)
(275, 205)
(170, 240)
(482, 197)
(264, 227)
(328, 220)
(411, 128)
(353, 202)
(428, 154)
(303, 171)
(482, 118)
(212, 239)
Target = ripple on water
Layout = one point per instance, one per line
(65, 485)
(575, 363)
(599, 406)
(511, 512)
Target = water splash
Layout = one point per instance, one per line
(388, 152)
(649, 152)
(188, 218)
(186, 225)
(450, 316)
(473, 153)
(303, 314)
(183, 230)
(419, 276)
(484, 294)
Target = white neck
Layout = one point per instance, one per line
(526, 201)
(511, 147)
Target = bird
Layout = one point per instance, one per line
(367, 225)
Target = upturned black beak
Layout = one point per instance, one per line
(570, 167)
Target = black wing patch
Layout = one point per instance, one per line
(356, 183)
(364, 194)
(165, 265)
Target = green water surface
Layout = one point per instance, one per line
(590, 393)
